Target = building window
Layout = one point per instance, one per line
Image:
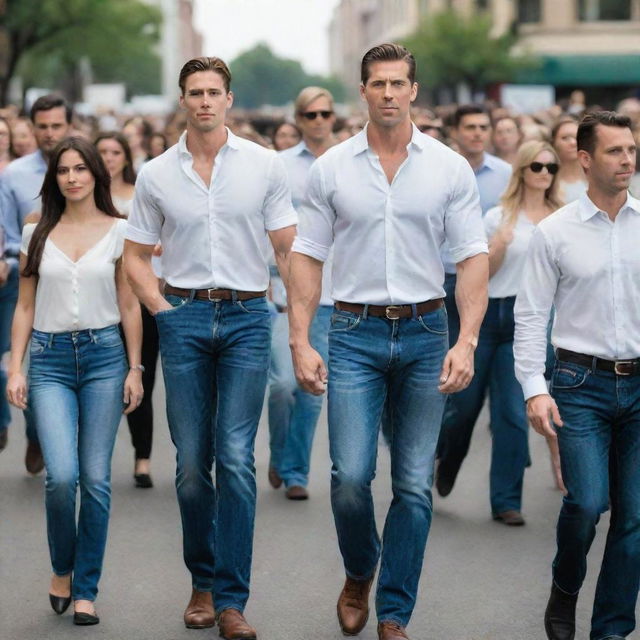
(592, 10)
(529, 11)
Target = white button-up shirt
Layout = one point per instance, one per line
(588, 267)
(213, 236)
(298, 161)
(387, 237)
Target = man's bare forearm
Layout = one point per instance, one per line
(142, 279)
(303, 295)
(471, 296)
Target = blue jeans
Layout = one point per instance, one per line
(76, 383)
(8, 299)
(600, 455)
(293, 413)
(494, 370)
(215, 359)
(372, 360)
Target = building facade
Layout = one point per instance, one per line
(581, 43)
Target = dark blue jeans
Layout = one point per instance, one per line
(215, 360)
(600, 455)
(372, 361)
(76, 383)
(494, 371)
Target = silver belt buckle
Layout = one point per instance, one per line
(212, 299)
(392, 312)
(624, 363)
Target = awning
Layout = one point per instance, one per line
(584, 71)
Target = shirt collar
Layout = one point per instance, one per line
(587, 209)
(361, 142)
(232, 142)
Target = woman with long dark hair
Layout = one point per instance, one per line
(72, 295)
(116, 154)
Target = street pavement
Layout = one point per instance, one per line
(481, 580)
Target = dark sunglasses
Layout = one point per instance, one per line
(552, 167)
(312, 115)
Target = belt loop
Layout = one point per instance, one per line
(50, 341)
(414, 311)
(91, 336)
(594, 364)
(234, 296)
(192, 294)
(365, 311)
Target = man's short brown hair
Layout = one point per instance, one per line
(205, 64)
(388, 52)
(587, 129)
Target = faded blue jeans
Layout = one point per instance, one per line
(76, 383)
(372, 360)
(600, 456)
(215, 360)
(494, 371)
(293, 413)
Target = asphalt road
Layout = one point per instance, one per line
(481, 580)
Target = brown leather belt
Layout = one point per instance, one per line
(213, 294)
(619, 367)
(392, 311)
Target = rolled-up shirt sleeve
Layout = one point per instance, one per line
(146, 219)
(463, 226)
(533, 306)
(278, 207)
(317, 216)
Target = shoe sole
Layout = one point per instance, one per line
(200, 626)
(253, 637)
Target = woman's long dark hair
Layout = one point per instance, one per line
(54, 203)
(128, 173)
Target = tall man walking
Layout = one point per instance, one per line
(213, 200)
(386, 199)
(584, 261)
(20, 186)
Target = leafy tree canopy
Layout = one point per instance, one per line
(260, 77)
(450, 48)
(47, 39)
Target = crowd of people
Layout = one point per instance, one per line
(408, 262)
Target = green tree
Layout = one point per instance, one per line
(260, 77)
(450, 49)
(47, 39)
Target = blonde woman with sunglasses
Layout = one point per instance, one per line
(531, 195)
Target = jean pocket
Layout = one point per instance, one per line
(108, 339)
(435, 321)
(344, 321)
(36, 347)
(176, 302)
(258, 306)
(568, 376)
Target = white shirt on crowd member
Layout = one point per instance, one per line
(298, 161)
(228, 247)
(72, 296)
(505, 282)
(587, 267)
(388, 236)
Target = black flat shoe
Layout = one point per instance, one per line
(143, 480)
(59, 604)
(85, 619)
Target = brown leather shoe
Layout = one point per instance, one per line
(33, 460)
(353, 605)
(233, 626)
(199, 613)
(511, 518)
(390, 630)
(296, 492)
(274, 478)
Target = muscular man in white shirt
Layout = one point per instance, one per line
(584, 260)
(214, 200)
(386, 199)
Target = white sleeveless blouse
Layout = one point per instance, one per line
(72, 296)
